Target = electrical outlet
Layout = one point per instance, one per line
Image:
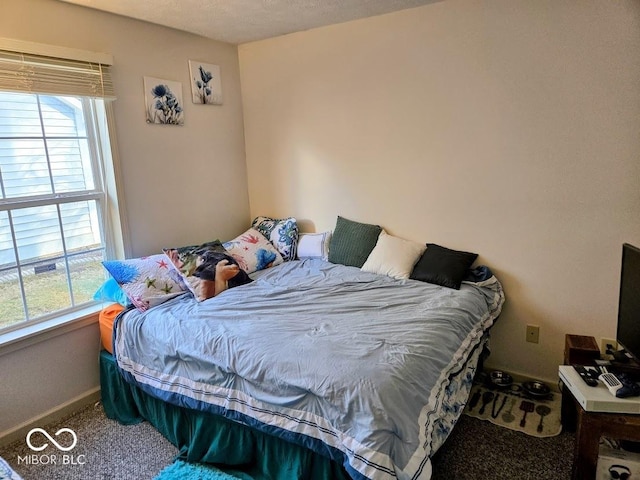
(607, 341)
(533, 333)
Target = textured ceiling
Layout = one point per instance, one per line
(241, 21)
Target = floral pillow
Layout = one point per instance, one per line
(253, 251)
(282, 233)
(147, 281)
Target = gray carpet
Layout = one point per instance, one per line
(476, 450)
(113, 451)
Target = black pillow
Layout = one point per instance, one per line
(443, 266)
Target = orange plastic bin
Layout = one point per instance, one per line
(106, 318)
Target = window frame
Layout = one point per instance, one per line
(99, 121)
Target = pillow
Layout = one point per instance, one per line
(393, 256)
(443, 266)
(147, 281)
(253, 251)
(185, 261)
(314, 245)
(197, 263)
(111, 292)
(282, 233)
(352, 242)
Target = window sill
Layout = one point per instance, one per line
(39, 332)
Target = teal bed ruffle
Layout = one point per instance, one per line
(202, 437)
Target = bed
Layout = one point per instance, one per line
(313, 370)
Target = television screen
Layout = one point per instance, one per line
(628, 335)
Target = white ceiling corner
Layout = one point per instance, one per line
(242, 21)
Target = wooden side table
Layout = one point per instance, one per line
(578, 350)
(592, 426)
(598, 414)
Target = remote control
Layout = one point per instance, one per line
(588, 377)
(611, 382)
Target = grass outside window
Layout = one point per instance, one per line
(48, 292)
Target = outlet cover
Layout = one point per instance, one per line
(533, 333)
(607, 341)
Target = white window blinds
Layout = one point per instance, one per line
(22, 70)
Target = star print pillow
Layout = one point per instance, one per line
(147, 281)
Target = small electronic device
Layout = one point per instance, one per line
(590, 376)
(629, 387)
(620, 385)
(610, 381)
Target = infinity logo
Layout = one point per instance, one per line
(57, 445)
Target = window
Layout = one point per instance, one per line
(55, 198)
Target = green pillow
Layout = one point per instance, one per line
(352, 242)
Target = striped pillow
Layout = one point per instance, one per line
(352, 242)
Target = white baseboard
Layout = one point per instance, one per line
(57, 413)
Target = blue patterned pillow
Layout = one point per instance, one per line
(253, 251)
(283, 233)
(147, 281)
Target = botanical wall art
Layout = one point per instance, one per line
(163, 99)
(206, 86)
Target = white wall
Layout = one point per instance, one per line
(503, 127)
(506, 127)
(182, 185)
(52, 375)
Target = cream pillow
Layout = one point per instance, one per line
(393, 256)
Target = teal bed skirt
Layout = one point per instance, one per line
(206, 438)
